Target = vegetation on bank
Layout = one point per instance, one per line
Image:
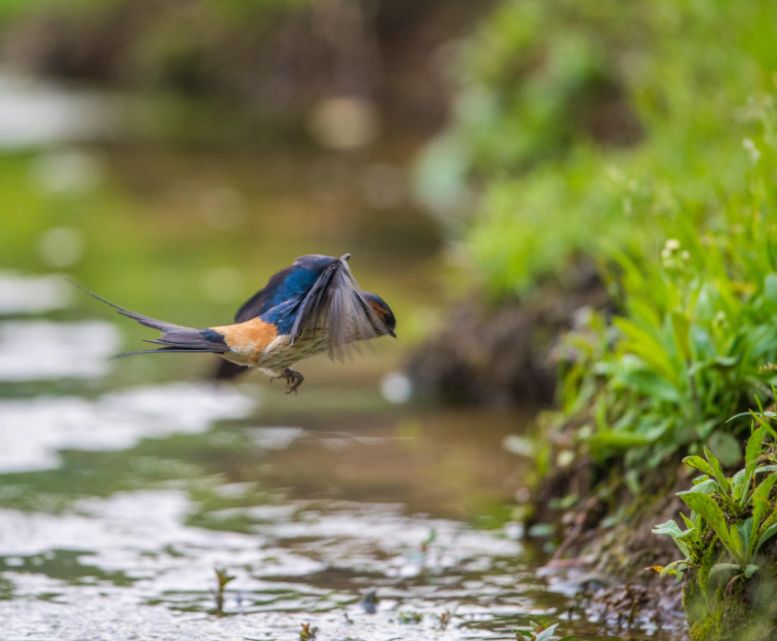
(585, 122)
(727, 542)
(621, 133)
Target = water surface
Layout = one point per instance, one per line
(119, 503)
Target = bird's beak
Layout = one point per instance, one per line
(392, 333)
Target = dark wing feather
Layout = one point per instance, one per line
(227, 370)
(335, 305)
(255, 306)
(263, 300)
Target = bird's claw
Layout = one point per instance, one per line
(293, 379)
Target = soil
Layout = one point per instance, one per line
(505, 355)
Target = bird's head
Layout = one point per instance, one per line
(383, 311)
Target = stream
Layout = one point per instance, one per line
(126, 484)
(118, 505)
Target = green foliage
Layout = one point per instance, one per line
(589, 124)
(731, 517)
(681, 218)
(694, 341)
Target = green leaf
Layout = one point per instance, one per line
(717, 472)
(649, 349)
(670, 528)
(619, 439)
(767, 534)
(760, 501)
(754, 446)
(710, 511)
(739, 486)
(708, 486)
(770, 287)
(697, 462)
(720, 573)
(546, 634)
(719, 362)
(680, 327)
(753, 451)
(675, 568)
(736, 545)
(750, 415)
(745, 531)
(688, 523)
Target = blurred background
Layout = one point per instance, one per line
(481, 161)
(172, 156)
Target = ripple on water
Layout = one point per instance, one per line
(23, 294)
(136, 568)
(35, 430)
(43, 350)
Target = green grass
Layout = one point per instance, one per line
(614, 131)
(696, 334)
(582, 123)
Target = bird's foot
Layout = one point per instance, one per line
(293, 379)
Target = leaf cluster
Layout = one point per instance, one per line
(735, 516)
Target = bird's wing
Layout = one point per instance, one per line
(335, 305)
(226, 370)
(264, 299)
(289, 284)
(282, 287)
(255, 306)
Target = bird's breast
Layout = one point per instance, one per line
(281, 353)
(257, 343)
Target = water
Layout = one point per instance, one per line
(125, 484)
(118, 504)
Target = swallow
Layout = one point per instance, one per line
(313, 306)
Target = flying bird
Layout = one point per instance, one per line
(312, 306)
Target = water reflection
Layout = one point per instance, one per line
(40, 350)
(25, 294)
(35, 430)
(302, 558)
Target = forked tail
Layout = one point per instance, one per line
(175, 338)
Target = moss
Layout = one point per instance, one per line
(730, 608)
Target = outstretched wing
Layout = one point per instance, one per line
(291, 283)
(335, 305)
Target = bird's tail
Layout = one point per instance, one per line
(174, 338)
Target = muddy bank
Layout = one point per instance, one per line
(505, 355)
(605, 535)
